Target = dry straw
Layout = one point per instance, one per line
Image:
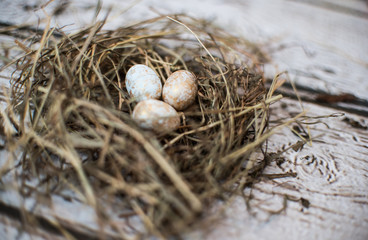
(70, 117)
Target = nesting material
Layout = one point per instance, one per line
(72, 116)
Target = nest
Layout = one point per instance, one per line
(72, 119)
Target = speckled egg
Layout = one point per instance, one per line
(156, 115)
(143, 83)
(180, 89)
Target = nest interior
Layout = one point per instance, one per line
(72, 119)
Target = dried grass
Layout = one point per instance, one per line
(70, 116)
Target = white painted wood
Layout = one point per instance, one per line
(322, 47)
(332, 175)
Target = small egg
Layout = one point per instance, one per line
(180, 89)
(156, 115)
(143, 83)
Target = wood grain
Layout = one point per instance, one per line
(327, 198)
(322, 191)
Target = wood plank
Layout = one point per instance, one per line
(322, 44)
(328, 198)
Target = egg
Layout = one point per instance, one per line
(156, 115)
(143, 83)
(180, 89)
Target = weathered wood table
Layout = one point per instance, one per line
(324, 47)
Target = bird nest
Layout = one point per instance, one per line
(70, 116)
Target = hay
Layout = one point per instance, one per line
(70, 116)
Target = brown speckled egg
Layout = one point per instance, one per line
(180, 89)
(143, 83)
(156, 115)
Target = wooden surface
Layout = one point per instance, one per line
(325, 198)
(323, 46)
